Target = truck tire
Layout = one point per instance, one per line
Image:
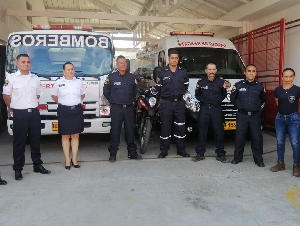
(145, 135)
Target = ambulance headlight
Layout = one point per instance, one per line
(152, 101)
(104, 106)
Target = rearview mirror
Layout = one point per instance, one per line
(156, 72)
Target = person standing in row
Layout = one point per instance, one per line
(120, 90)
(68, 92)
(21, 92)
(172, 83)
(287, 119)
(211, 91)
(248, 96)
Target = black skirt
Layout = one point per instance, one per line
(70, 119)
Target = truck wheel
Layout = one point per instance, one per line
(145, 135)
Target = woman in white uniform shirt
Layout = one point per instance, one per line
(68, 92)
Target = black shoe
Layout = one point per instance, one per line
(3, 182)
(134, 155)
(260, 164)
(112, 158)
(75, 166)
(198, 158)
(183, 154)
(67, 167)
(18, 175)
(40, 169)
(234, 161)
(221, 158)
(162, 156)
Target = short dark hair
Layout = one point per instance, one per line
(120, 57)
(22, 55)
(64, 66)
(249, 65)
(289, 69)
(210, 64)
(172, 51)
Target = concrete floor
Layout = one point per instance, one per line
(173, 191)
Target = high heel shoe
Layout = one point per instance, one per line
(75, 166)
(68, 167)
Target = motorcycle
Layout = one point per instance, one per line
(147, 105)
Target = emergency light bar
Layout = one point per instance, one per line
(211, 34)
(62, 27)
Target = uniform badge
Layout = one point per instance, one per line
(233, 89)
(6, 82)
(106, 81)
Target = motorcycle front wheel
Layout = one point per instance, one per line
(145, 134)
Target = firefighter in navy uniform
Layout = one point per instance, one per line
(211, 91)
(120, 90)
(172, 83)
(248, 96)
(21, 92)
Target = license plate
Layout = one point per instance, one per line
(54, 126)
(230, 125)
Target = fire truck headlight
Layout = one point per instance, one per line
(104, 106)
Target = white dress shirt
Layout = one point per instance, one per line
(23, 90)
(68, 92)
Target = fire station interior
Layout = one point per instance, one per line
(173, 190)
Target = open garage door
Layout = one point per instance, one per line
(264, 47)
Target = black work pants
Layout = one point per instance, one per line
(172, 112)
(118, 115)
(213, 115)
(24, 122)
(253, 122)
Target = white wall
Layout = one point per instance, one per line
(292, 43)
(12, 24)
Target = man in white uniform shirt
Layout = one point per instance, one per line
(21, 92)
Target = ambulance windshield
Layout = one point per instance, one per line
(228, 62)
(91, 55)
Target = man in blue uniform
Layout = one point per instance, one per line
(248, 96)
(120, 90)
(21, 92)
(172, 83)
(211, 91)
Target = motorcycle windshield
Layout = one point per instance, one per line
(91, 54)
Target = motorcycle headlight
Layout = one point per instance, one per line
(152, 101)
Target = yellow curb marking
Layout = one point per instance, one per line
(293, 196)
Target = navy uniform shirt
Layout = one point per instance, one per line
(210, 92)
(172, 84)
(248, 96)
(287, 99)
(120, 89)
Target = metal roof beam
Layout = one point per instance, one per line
(121, 17)
(213, 6)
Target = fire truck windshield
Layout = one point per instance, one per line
(194, 60)
(92, 55)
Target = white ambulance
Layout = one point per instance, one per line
(196, 50)
(49, 47)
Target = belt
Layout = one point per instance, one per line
(210, 105)
(26, 110)
(249, 112)
(70, 107)
(123, 105)
(172, 99)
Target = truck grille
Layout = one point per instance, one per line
(229, 111)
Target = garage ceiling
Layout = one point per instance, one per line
(196, 9)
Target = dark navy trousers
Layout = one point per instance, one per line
(24, 122)
(253, 122)
(118, 115)
(213, 115)
(172, 112)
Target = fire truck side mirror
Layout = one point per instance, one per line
(128, 66)
(156, 72)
